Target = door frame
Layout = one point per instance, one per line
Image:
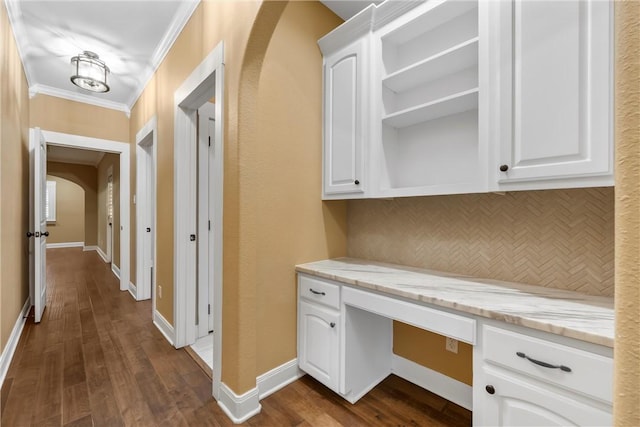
(205, 82)
(145, 209)
(109, 146)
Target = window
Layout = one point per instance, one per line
(50, 201)
(110, 198)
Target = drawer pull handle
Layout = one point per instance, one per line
(543, 364)
(316, 292)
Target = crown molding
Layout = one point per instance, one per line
(177, 25)
(349, 31)
(77, 97)
(19, 33)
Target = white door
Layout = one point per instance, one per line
(517, 401)
(145, 210)
(318, 343)
(344, 120)
(39, 231)
(206, 175)
(109, 214)
(555, 87)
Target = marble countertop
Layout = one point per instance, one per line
(571, 314)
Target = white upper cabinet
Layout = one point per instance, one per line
(552, 93)
(426, 136)
(468, 96)
(344, 124)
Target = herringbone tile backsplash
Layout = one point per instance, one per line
(555, 238)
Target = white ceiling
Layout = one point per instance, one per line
(56, 153)
(345, 9)
(132, 37)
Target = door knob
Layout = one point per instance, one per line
(29, 234)
(490, 389)
(45, 234)
(504, 168)
(356, 182)
(332, 324)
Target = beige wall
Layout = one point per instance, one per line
(62, 115)
(69, 224)
(626, 396)
(283, 170)
(14, 182)
(273, 216)
(109, 161)
(87, 178)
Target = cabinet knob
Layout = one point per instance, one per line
(45, 234)
(490, 389)
(356, 182)
(332, 324)
(504, 168)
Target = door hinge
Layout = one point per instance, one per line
(209, 224)
(208, 308)
(209, 141)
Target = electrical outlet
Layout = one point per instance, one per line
(451, 345)
(160, 296)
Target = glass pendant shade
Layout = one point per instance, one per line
(89, 72)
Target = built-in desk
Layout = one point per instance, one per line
(540, 354)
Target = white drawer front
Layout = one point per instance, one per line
(319, 291)
(577, 370)
(438, 321)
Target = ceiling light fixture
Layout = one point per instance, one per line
(89, 72)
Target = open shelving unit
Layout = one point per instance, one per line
(430, 94)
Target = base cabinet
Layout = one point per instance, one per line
(318, 340)
(513, 401)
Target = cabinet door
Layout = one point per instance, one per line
(554, 76)
(518, 402)
(344, 121)
(318, 353)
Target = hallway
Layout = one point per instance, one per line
(96, 358)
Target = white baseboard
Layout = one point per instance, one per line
(277, 378)
(133, 291)
(116, 270)
(239, 408)
(102, 254)
(89, 248)
(10, 348)
(65, 245)
(440, 384)
(163, 326)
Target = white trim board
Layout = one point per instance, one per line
(277, 378)
(133, 291)
(101, 254)
(10, 348)
(90, 248)
(116, 272)
(239, 408)
(117, 147)
(440, 384)
(163, 326)
(65, 245)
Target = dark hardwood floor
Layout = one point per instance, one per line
(97, 360)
